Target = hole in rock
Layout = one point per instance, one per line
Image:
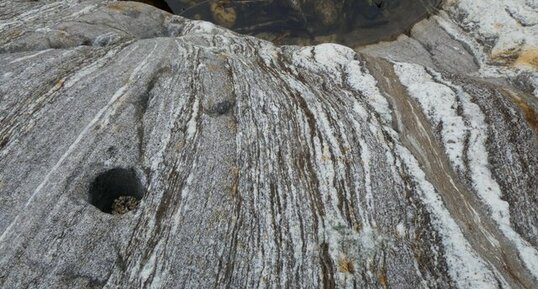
(223, 107)
(116, 191)
(305, 22)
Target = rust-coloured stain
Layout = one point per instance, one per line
(528, 56)
(345, 265)
(530, 115)
(518, 56)
(382, 278)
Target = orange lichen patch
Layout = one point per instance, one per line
(382, 279)
(530, 115)
(528, 56)
(345, 265)
(507, 56)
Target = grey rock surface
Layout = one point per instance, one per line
(408, 164)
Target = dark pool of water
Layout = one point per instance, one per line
(349, 22)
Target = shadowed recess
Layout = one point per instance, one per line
(306, 22)
(116, 191)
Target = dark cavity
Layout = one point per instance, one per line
(306, 22)
(116, 191)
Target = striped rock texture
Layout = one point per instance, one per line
(408, 164)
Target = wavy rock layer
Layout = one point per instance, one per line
(263, 166)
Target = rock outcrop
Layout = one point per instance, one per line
(408, 164)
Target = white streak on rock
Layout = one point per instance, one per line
(466, 267)
(102, 112)
(440, 100)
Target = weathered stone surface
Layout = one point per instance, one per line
(410, 164)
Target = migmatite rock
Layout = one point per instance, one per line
(410, 164)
